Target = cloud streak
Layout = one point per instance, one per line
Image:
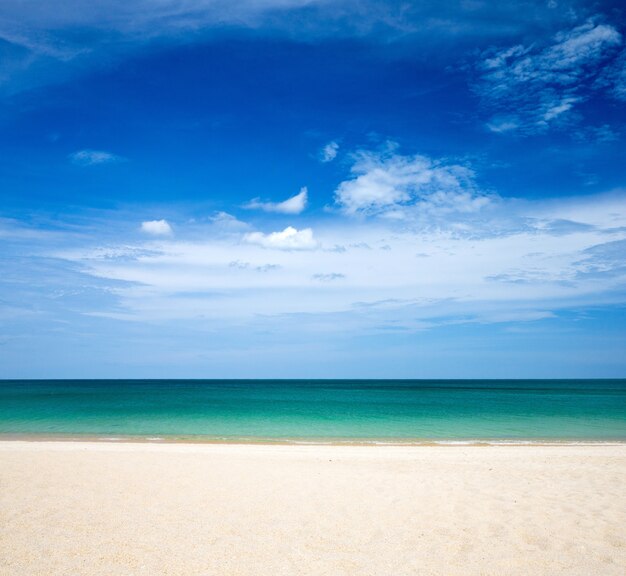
(530, 88)
(94, 158)
(294, 205)
(552, 256)
(42, 33)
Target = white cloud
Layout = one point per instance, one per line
(561, 253)
(289, 239)
(526, 259)
(294, 205)
(531, 88)
(387, 184)
(92, 157)
(329, 152)
(156, 227)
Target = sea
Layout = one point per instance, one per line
(316, 411)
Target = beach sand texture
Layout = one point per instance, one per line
(88, 508)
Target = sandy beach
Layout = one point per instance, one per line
(95, 508)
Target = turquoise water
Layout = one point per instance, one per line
(386, 410)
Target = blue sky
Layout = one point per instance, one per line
(306, 188)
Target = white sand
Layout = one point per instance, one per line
(76, 508)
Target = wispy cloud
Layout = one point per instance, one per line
(151, 18)
(330, 277)
(388, 184)
(562, 253)
(529, 88)
(294, 205)
(93, 157)
(288, 239)
(603, 260)
(112, 28)
(503, 123)
(156, 227)
(329, 152)
(614, 78)
(227, 222)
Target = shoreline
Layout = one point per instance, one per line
(251, 441)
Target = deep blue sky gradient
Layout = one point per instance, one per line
(204, 111)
